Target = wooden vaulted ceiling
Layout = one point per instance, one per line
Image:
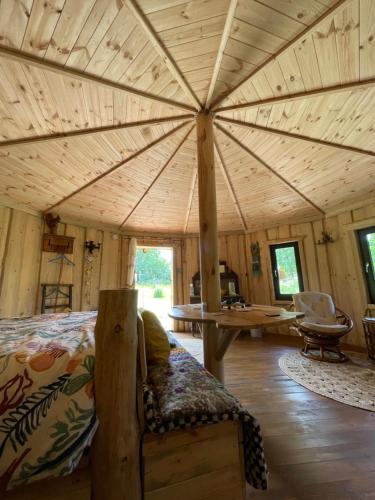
(98, 100)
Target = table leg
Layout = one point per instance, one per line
(211, 342)
(225, 340)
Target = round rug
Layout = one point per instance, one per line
(352, 383)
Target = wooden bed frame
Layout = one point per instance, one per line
(124, 464)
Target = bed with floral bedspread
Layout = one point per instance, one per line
(47, 415)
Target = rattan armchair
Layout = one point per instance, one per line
(321, 334)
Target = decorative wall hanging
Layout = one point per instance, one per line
(256, 264)
(326, 238)
(53, 242)
(91, 246)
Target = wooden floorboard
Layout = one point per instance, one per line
(316, 448)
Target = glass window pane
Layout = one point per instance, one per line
(287, 270)
(371, 247)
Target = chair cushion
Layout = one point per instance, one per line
(324, 328)
(318, 307)
(156, 339)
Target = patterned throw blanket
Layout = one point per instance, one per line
(183, 395)
(47, 415)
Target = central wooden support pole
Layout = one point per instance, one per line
(208, 240)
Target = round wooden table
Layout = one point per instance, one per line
(228, 324)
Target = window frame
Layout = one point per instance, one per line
(365, 259)
(274, 271)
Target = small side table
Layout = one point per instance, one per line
(369, 329)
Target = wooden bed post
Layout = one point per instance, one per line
(116, 450)
(208, 239)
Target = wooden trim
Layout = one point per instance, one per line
(116, 471)
(229, 184)
(163, 52)
(45, 65)
(290, 239)
(336, 210)
(342, 87)
(291, 42)
(94, 131)
(256, 157)
(191, 195)
(156, 178)
(360, 224)
(220, 53)
(291, 135)
(117, 166)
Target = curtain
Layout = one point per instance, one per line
(132, 252)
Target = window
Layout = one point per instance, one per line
(366, 239)
(286, 270)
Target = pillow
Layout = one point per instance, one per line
(156, 339)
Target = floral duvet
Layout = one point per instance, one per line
(47, 416)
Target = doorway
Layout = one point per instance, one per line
(154, 281)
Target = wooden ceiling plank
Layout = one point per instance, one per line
(117, 166)
(342, 87)
(290, 43)
(156, 177)
(191, 197)
(291, 135)
(94, 131)
(230, 187)
(269, 168)
(223, 43)
(163, 52)
(42, 64)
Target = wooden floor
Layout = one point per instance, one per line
(316, 448)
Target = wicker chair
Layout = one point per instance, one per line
(322, 327)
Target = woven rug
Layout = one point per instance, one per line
(352, 383)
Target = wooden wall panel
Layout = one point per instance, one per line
(20, 263)
(332, 268)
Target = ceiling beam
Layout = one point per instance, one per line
(333, 89)
(230, 187)
(117, 166)
(156, 178)
(270, 169)
(190, 200)
(93, 131)
(223, 44)
(163, 51)
(299, 36)
(291, 135)
(44, 65)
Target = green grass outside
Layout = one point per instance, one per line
(160, 306)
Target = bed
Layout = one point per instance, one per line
(48, 417)
(47, 414)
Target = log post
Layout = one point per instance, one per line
(208, 240)
(116, 448)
